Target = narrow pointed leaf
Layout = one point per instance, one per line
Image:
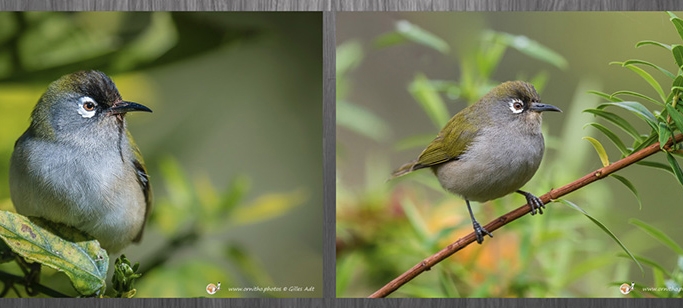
(613, 137)
(636, 94)
(655, 165)
(362, 121)
(599, 149)
(659, 235)
(268, 206)
(645, 143)
(677, 51)
(604, 228)
(606, 96)
(647, 42)
(618, 121)
(636, 108)
(647, 77)
(678, 23)
(648, 262)
(421, 36)
(676, 116)
(659, 68)
(664, 134)
(630, 187)
(430, 100)
(535, 50)
(675, 167)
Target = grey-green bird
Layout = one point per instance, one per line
(77, 164)
(489, 149)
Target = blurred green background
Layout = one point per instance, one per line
(384, 228)
(233, 146)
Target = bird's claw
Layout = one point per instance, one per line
(479, 231)
(534, 202)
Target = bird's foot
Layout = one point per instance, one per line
(479, 231)
(534, 202)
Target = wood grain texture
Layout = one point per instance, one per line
(165, 5)
(329, 155)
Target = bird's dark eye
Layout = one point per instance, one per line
(518, 105)
(89, 106)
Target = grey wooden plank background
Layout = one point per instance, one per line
(329, 130)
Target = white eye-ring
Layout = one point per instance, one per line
(516, 105)
(87, 107)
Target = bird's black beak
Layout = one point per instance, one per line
(538, 107)
(122, 107)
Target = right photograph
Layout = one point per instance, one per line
(509, 154)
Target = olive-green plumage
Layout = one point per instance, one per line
(490, 148)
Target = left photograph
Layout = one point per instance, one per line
(160, 154)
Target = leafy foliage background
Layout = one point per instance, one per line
(233, 145)
(397, 69)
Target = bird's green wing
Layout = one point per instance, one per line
(461, 132)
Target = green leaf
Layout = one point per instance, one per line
(648, 262)
(676, 89)
(659, 68)
(677, 51)
(618, 121)
(233, 195)
(647, 42)
(655, 165)
(676, 116)
(678, 23)
(248, 264)
(630, 186)
(534, 49)
(636, 108)
(449, 288)
(416, 221)
(609, 97)
(604, 228)
(430, 100)
(348, 56)
(646, 76)
(639, 145)
(268, 206)
(362, 121)
(345, 268)
(57, 246)
(664, 134)
(390, 39)
(415, 34)
(675, 167)
(612, 136)
(657, 234)
(487, 59)
(636, 94)
(600, 149)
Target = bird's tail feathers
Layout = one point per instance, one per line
(405, 169)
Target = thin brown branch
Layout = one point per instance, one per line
(553, 194)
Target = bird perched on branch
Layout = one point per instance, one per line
(489, 149)
(77, 164)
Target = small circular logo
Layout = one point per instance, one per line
(213, 288)
(626, 288)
